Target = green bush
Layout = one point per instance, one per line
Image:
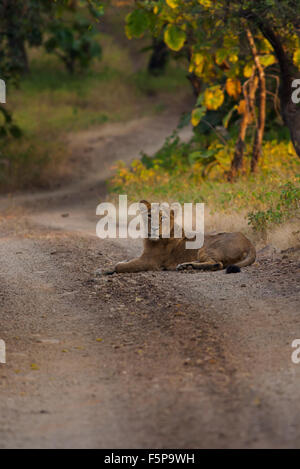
(287, 207)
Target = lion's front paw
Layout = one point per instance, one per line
(184, 266)
(100, 272)
(109, 272)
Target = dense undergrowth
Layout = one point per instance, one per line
(194, 172)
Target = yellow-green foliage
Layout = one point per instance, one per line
(278, 166)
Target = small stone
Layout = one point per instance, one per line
(48, 341)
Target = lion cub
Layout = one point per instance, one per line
(221, 250)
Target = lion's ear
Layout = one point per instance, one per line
(145, 203)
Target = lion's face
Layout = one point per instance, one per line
(160, 221)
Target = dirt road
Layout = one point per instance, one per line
(154, 360)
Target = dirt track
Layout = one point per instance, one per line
(181, 360)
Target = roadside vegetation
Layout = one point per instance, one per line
(256, 204)
(241, 59)
(75, 65)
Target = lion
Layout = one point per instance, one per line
(229, 251)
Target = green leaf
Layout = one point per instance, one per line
(185, 120)
(174, 37)
(213, 98)
(197, 115)
(200, 99)
(205, 3)
(201, 155)
(248, 70)
(296, 58)
(173, 3)
(267, 60)
(221, 55)
(136, 23)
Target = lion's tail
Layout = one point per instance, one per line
(249, 259)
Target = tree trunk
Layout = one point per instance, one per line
(289, 110)
(196, 83)
(16, 40)
(70, 64)
(237, 164)
(18, 53)
(288, 73)
(159, 58)
(259, 135)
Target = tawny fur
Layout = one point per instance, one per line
(218, 252)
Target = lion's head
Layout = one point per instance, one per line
(159, 219)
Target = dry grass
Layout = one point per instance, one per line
(38, 163)
(281, 236)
